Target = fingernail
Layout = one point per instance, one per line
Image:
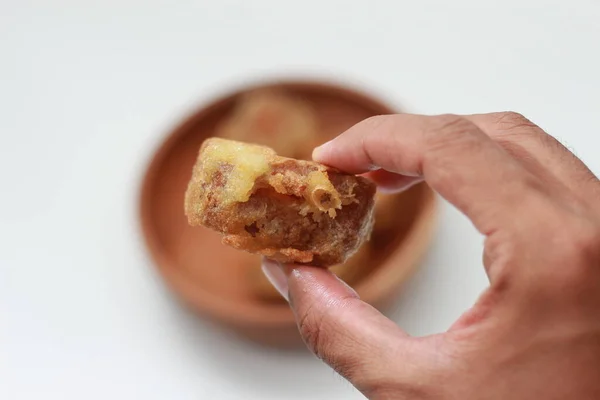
(274, 273)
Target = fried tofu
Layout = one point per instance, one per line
(289, 210)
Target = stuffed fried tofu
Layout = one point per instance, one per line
(292, 211)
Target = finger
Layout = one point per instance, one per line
(388, 182)
(451, 153)
(348, 334)
(539, 152)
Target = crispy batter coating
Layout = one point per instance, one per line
(349, 271)
(293, 211)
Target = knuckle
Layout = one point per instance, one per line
(510, 120)
(450, 129)
(520, 137)
(447, 138)
(450, 124)
(512, 128)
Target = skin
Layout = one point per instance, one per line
(535, 331)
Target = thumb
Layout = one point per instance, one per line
(355, 339)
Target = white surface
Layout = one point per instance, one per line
(87, 90)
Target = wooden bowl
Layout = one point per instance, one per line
(220, 282)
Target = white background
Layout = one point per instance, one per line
(87, 89)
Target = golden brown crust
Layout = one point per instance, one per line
(289, 210)
(349, 271)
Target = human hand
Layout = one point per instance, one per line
(535, 332)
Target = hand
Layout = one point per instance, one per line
(535, 332)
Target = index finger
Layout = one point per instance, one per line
(449, 152)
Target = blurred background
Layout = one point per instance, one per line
(88, 90)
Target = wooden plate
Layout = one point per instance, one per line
(220, 282)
